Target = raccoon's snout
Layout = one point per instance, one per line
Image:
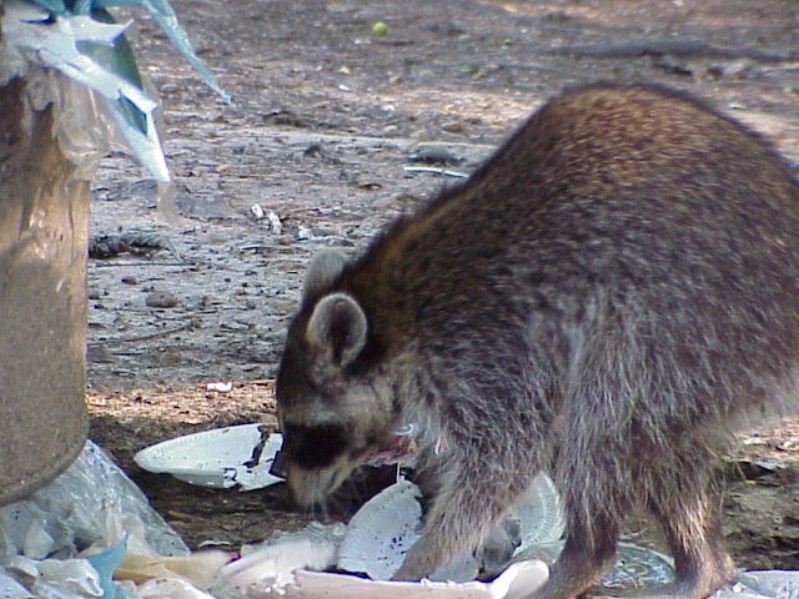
(318, 458)
(314, 447)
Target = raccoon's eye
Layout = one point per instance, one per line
(314, 446)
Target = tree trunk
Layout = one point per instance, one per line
(43, 253)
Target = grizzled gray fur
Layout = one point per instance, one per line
(603, 300)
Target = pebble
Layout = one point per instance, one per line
(160, 299)
(433, 155)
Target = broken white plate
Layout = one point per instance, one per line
(385, 528)
(382, 531)
(222, 458)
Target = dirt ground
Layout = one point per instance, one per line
(326, 116)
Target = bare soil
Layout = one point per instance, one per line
(325, 118)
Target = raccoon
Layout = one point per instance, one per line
(604, 299)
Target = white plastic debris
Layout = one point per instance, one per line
(435, 171)
(75, 575)
(274, 222)
(257, 212)
(304, 233)
(269, 567)
(67, 539)
(170, 588)
(374, 543)
(222, 458)
(220, 387)
(78, 508)
(762, 584)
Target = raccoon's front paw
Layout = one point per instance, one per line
(417, 564)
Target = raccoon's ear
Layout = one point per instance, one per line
(338, 328)
(323, 270)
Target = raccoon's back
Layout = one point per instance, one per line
(610, 186)
(649, 223)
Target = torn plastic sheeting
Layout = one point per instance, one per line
(83, 124)
(54, 44)
(11, 589)
(28, 31)
(73, 510)
(78, 524)
(164, 15)
(53, 578)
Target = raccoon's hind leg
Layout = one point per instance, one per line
(685, 502)
(589, 552)
(689, 509)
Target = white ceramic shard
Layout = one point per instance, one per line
(223, 458)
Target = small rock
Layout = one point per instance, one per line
(453, 127)
(98, 354)
(160, 299)
(738, 69)
(129, 280)
(313, 150)
(433, 155)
